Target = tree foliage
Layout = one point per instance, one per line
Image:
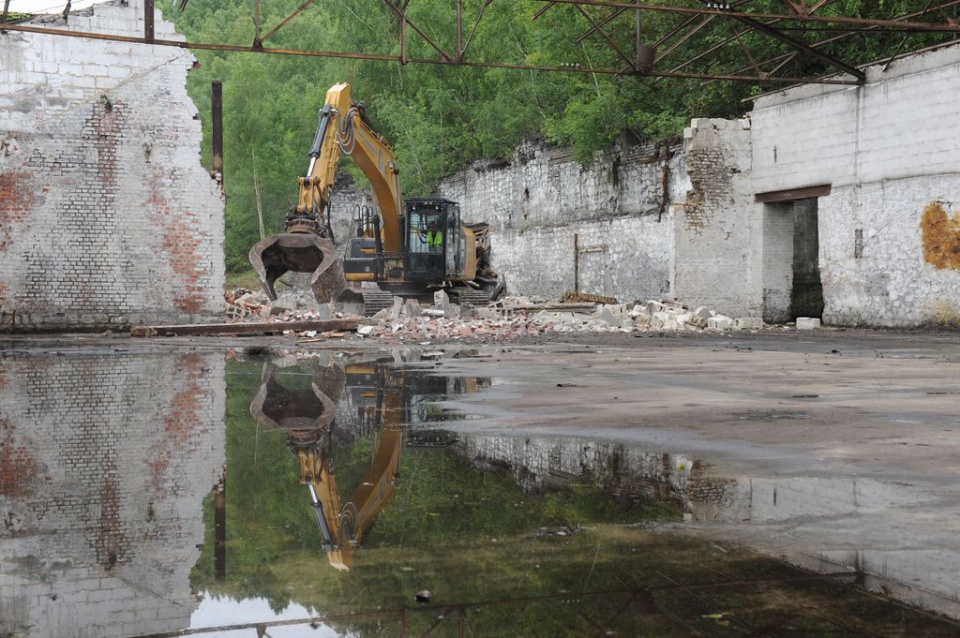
(439, 118)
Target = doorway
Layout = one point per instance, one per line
(791, 261)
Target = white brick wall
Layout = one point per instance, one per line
(540, 200)
(106, 215)
(889, 149)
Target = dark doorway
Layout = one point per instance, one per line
(807, 294)
(791, 261)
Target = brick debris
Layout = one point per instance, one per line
(507, 319)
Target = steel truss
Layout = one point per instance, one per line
(732, 40)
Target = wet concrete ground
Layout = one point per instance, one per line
(837, 450)
(845, 446)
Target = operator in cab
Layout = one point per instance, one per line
(434, 238)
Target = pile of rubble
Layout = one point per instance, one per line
(508, 319)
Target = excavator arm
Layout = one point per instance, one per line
(306, 244)
(342, 525)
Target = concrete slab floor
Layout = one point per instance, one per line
(843, 446)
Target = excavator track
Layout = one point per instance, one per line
(375, 300)
(468, 297)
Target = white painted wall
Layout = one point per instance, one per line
(540, 200)
(888, 148)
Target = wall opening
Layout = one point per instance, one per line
(791, 255)
(807, 294)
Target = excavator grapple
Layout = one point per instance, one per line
(307, 252)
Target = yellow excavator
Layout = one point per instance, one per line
(411, 249)
(304, 406)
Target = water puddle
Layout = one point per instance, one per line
(335, 495)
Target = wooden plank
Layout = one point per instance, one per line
(202, 329)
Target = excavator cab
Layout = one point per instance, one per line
(433, 239)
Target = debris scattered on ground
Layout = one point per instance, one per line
(507, 319)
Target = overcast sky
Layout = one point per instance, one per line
(45, 6)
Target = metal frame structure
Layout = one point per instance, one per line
(707, 40)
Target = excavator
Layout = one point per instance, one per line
(411, 249)
(304, 406)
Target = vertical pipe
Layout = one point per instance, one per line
(256, 24)
(403, 37)
(216, 104)
(639, 41)
(220, 527)
(459, 29)
(148, 20)
(576, 264)
(6, 11)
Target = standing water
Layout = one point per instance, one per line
(332, 495)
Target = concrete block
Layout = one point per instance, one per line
(608, 317)
(720, 322)
(700, 316)
(412, 308)
(637, 311)
(441, 300)
(397, 310)
(748, 323)
(807, 323)
(283, 304)
(662, 320)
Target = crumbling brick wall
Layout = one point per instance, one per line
(558, 226)
(106, 216)
(714, 224)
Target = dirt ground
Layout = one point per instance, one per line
(885, 403)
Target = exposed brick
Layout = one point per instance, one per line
(106, 215)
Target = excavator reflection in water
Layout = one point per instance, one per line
(300, 398)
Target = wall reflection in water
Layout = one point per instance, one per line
(892, 538)
(116, 470)
(104, 465)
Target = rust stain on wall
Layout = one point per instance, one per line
(16, 201)
(19, 470)
(941, 237)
